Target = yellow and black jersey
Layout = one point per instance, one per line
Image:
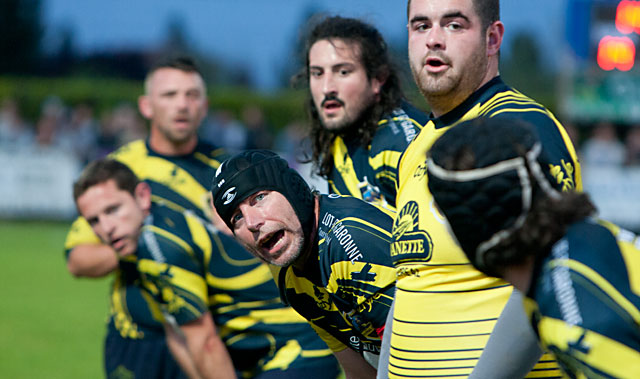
(187, 269)
(348, 296)
(370, 173)
(445, 309)
(584, 301)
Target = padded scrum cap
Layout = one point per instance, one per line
(255, 170)
(486, 202)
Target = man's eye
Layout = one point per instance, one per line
(316, 74)
(420, 27)
(92, 221)
(260, 196)
(235, 218)
(454, 26)
(344, 72)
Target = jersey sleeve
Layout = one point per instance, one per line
(80, 233)
(334, 344)
(557, 147)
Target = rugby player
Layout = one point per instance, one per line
(329, 254)
(444, 309)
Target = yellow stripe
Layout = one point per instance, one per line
(181, 278)
(604, 354)
(385, 158)
(164, 172)
(255, 277)
(243, 305)
(214, 163)
(367, 223)
(170, 236)
(631, 257)
(602, 283)
(200, 237)
(343, 163)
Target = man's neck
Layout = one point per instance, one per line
(441, 105)
(162, 146)
(308, 261)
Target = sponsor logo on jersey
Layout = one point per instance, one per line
(563, 174)
(410, 243)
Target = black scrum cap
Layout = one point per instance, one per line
(489, 197)
(255, 170)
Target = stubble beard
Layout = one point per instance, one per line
(290, 258)
(446, 90)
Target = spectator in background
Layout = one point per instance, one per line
(118, 127)
(226, 131)
(259, 134)
(14, 131)
(291, 142)
(603, 148)
(53, 117)
(632, 144)
(80, 134)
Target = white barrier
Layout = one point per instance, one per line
(37, 183)
(616, 193)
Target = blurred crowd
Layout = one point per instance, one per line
(606, 144)
(80, 130)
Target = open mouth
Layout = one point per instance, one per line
(435, 62)
(117, 244)
(271, 240)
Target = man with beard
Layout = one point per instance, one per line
(359, 122)
(445, 310)
(329, 254)
(244, 303)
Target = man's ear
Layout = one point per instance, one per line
(142, 193)
(495, 32)
(144, 105)
(378, 82)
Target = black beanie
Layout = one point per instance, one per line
(255, 170)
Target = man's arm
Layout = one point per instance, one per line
(512, 337)
(354, 365)
(203, 348)
(92, 260)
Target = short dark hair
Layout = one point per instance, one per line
(103, 170)
(178, 62)
(488, 10)
(374, 56)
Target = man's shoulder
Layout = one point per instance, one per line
(211, 151)
(399, 127)
(348, 209)
(131, 152)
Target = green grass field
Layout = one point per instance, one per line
(51, 324)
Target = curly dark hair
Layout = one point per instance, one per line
(546, 223)
(375, 59)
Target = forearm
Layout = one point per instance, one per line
(354, 365)
(209, 353)
(512, 337)
(180, 351)
(92, 260)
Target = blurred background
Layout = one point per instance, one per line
(71, 71)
